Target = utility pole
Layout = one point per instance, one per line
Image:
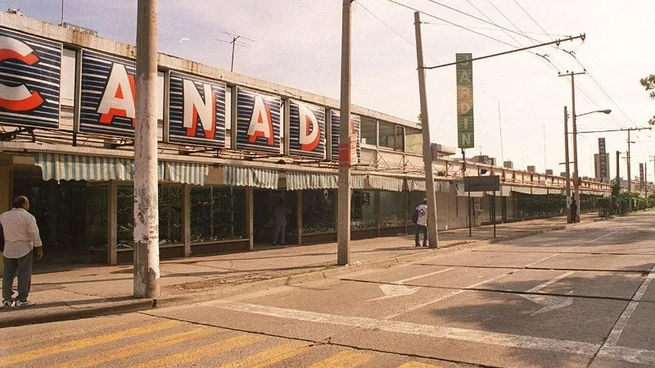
(576, 183)
(234, 43)
(628, 163)
(345, 146)
(618, 176)
(567, 169)
(427, 151)
(146, 205)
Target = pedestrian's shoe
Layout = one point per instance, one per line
(7, 303)
(418, 245)
(24, 303)
(425, 245)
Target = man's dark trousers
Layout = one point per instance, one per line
(424, 230)
(21, 267)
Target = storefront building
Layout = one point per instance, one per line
(230, 147)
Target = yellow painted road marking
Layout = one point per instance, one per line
(9, 344)
(268, 357)
(418, 365)
(108, 356)
(202, 352)
(344, 359)
(83, 343)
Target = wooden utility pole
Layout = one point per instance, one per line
(146, 205)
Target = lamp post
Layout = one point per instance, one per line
(576, 181)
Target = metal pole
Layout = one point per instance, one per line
(343, 207)
(234, 44)
(146, 205)
(427, 152)
(575, 151)
(62, 13)
(568, 169)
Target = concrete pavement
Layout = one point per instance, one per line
(70, 291)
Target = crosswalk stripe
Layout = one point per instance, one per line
(17, 342)
(418, 365)
(202, 352)
(108, 356)
(268, 357)
(344, 359)
(83, 343)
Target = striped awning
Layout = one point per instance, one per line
(418, 185)
(250, 177)
(385, 183)
(72, 167)
(186, 173)
(297, 180)
(358, 182)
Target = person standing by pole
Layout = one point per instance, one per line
(21, 238)
(422, 223)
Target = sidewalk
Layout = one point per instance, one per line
(71, 291)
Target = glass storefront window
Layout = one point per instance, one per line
(97, 215)
(318, 211)
(217, 214)
(170, 215)
(391, 209)
(362, 210)
(125, 216)
(413, 140)
(369, 131)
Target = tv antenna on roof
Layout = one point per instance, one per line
(236, 40)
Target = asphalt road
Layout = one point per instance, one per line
(580, 297)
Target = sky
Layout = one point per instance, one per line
(519, 98)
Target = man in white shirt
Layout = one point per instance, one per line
(421, 223)
(21, 237)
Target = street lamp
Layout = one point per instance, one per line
(576, 182)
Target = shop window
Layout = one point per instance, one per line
(217, 214)
(413, 141)
(369, 132)
(391, 209)
(318, 211)
(170, 215)
(387, 135)
(362, 210)
(97, 215)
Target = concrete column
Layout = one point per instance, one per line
(377, 211)
(146, 178)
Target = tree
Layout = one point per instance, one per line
(649, 84)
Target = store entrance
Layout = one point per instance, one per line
(59, 209)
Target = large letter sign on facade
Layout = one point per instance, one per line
(108, 95)
(306, 130)
(30, 80)
(355, 146)
(196, 111)
(258, 121)
(464, 73)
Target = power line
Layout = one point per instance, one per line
(535, 22)
(383, 22)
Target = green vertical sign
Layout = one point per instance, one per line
(464, 72)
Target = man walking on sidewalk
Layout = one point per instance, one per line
(421, 223)
(21, 237)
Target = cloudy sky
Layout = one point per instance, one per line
(519, 98)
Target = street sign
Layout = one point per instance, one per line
(482, 183)
(464, 73)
